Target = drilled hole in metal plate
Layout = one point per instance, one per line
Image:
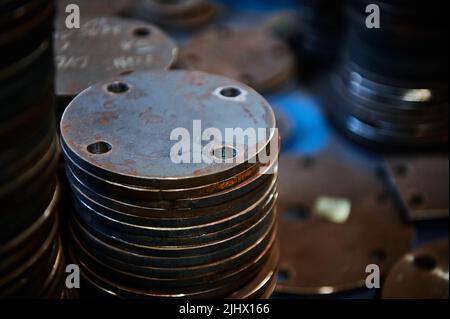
(224, 152)
(425, 262)
(402, 170)
(416, 199)
(378, 256)
(230, 92)
(100, 147)
(307, 162)
(284, 275)
(118, 87)
(296, 214)
(142, 32)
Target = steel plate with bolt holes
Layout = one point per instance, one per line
(178, 14)
(105, 47)
(334, 221)
(262, 61)
(96, 131)
(96, 7)
(421, 274)
(420, 184)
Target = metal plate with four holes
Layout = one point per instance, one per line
(334, 220)
(420, 184)
(249, 56)
(420, 274)
(95, 127)
(105, 47)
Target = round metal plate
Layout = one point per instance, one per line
(140, 153)
(262, 61)
(324, 253)
(421, 274)
(105, 47)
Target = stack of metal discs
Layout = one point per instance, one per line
(320, 32)
(31, 263)
(174, 14)
(154, 219)
(392, 88)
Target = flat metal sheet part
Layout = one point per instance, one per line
(420, 274)
(420, 184)
(322, 255)
(154, 102)
(262, 61)
(104, 47)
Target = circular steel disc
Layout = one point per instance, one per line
(421, 274)
(320, 255)
(105, 47)
(249, 56)
(157, 103)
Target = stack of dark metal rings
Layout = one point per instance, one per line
(392, 88)
(146, 225)
(321, 24)
(31, 260)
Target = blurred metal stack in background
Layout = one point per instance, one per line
(321, 25)
(174, 14)
(146, 226)
(392, 87)
(31, 259)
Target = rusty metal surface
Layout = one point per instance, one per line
(144, 226)
(105, 47)
(421, 274)
(156, 113)
(323, 254)
(262, 61)
(420, 184)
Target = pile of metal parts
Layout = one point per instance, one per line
(148, 226)
(392, 87)
(104, 47)
(31, 258)
(214, 51)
